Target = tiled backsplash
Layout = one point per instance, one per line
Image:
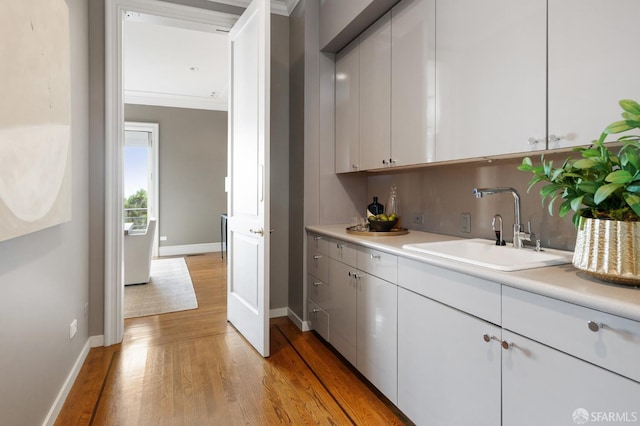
(443, 192)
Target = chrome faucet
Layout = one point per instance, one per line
(519, 236)
(498, 231)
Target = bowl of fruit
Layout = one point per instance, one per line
(382, 222)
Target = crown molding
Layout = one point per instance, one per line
(176, 101)
(279, 7)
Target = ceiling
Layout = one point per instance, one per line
(170, 62)
(179, 63)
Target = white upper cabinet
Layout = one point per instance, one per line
(363, 86)
(490, 77)
(347, 122)
(593, 63)
(375, 94)
(413, 71)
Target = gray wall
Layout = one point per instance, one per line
(443, 192)
(44, 275)
(279, 262)
(193, 165)
(296, 157)
(318, 195)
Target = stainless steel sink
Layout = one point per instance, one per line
(485, 253)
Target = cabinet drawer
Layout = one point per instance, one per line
(469, 294)
(318, 265)
(319, 320)
(343, 252)
(379, 264)
(614, 345)
(317, 244)
(318, 291)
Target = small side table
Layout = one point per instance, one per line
(223, 234)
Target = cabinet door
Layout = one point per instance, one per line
(543, 386)
(377, 306)
(342, 309)
(375, 94)
(491, 78)
(447, 373)
(318, 320)
(413, 72)
(348, 108)
(591, 66)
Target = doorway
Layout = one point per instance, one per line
(114, 136)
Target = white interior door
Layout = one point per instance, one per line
(248, 203)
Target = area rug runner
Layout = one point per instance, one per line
(169, 290)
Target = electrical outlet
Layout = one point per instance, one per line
(73, 328)
(465, 222)
(418, 218)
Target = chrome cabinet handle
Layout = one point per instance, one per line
(534, 141)
(595, 326)
(340, 245)
(385, 162)
(354, 166)
(316, 257)
(374, 256)
(392, 161)
(554, 138)
(506, 345)
(257, 231)
(354, 275)
(317, 283)
(489, 337)
(317, 237)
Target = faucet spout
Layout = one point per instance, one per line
(518, 235)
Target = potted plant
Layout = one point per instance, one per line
(602, 188)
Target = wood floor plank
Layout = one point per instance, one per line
(364, 405)
(193, 368)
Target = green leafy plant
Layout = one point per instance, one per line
(601, 184)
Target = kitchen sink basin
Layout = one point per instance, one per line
(481, 252)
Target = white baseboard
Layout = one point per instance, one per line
(302, 325)
(278, 312)
(96, 341)
(66, 387)
(189, 249)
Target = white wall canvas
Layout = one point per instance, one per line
(35, 116)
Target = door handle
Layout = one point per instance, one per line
(257, 231)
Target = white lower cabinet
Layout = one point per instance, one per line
(448, 374)
(363, 325)
(342, 310)
(377, 308)
(359, 311)
(452, 349)
(543, 386)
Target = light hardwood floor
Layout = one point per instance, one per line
(193, 368)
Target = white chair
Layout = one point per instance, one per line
(137, 255)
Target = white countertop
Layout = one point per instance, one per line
(562, 282)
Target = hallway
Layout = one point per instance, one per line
(193, 368)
